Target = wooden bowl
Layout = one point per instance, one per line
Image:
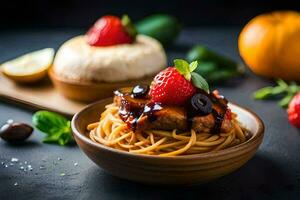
(89, 92)
(151, 169)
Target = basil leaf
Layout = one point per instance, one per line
(57, 127)
(199, 82)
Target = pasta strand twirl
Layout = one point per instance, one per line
(112, 131)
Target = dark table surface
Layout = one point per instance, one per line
(66, 173)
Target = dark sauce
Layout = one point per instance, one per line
(218, 112)
(150, 109)
(131, 115)
(219, 109)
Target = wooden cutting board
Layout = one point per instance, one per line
(38, 96)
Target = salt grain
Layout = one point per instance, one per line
(29, 167)
(42, 167)
(59, 158)
(14, 160)
(6, 165)
(16, 184)
(75, 164)
(62, 174)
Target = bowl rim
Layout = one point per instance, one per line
(259, 134)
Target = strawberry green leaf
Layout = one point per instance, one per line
(193, 65)
(199, 82)
(129, 26)
(182, 66)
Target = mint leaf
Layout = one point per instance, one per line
(193, 65)
(199, 82)
(182, 67)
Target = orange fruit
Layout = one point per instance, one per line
(270, 45)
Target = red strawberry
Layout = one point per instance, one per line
(110, 30)
(170, 87)
(294, 111)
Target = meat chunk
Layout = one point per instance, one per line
(169, 117)
(206, 124)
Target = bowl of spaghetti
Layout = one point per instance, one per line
(160, 156)
(175, 131)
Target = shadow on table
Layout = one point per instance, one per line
(24, 145)
(260, 177)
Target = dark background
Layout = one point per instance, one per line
(39, 14)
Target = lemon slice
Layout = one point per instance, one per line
(30, 67)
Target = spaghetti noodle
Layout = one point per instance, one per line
(112, 131)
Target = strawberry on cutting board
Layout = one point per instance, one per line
(111, 30)
(176, 85)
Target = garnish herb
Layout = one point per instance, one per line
(187, 70)
(212, 66)
(55, 126)
(282, 90)
(129, 26)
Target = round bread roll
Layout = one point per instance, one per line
(78, 61)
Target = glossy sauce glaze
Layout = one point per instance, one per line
(142, 106)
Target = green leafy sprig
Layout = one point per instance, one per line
(129, 26)
(213, 66)
(55, 126)
(282, 90)
(187, 70)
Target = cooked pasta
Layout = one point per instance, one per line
(112, 131)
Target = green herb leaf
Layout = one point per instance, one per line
(282, 84)
(267, 92)
(129, 26)
(182, 67)
(282, 89)
(57, 127)
(286, 100)
(263, 93)
(193, 65)
(221, 75)
(199, 82)
(213, 66)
